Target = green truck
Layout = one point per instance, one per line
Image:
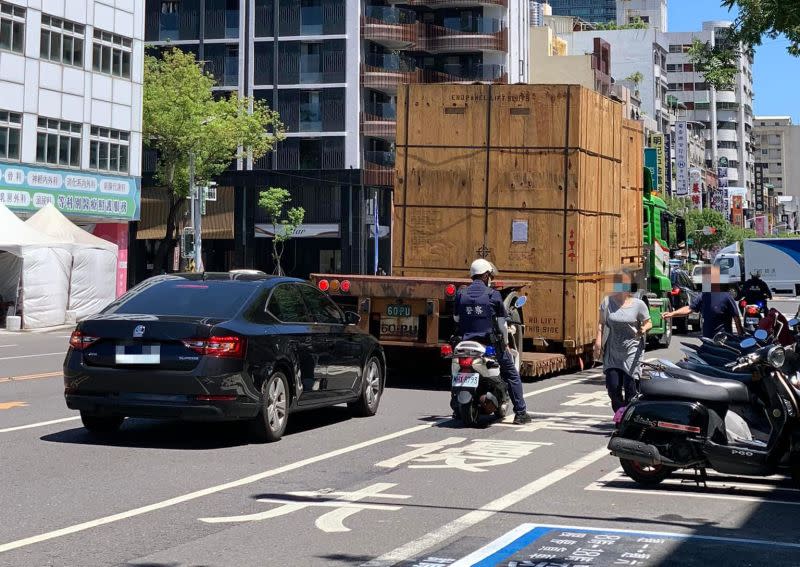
(663, 233)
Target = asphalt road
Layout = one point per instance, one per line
(408, 486)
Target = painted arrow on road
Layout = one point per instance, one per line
(12, 405)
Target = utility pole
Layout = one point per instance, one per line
(192, 199)
(198, 228)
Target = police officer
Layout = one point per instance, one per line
(756, 290)
(477, 307)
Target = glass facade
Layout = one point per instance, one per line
(589, 10)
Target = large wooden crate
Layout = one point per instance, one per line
(631, 192)
(528, 176)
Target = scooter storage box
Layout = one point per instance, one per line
(667, 416)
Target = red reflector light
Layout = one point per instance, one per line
(345, 286)
(450, 290)
(214, 398)
(218, 347)
(324, 285)
(466, 363)
(677, 427)
(752, 310)
(676, 291)
(79, 341)
(743, 303)
(446, 350)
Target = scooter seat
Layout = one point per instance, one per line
(714, 372)
(719, 390)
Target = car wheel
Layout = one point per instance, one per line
(371, 390)
(270, 423)
(101, 423)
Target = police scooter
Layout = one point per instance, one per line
(476, 386)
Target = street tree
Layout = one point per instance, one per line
(274, 200)
(181, 117)
(757, 19)
(697, 220)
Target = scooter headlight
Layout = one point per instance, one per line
(776, 356)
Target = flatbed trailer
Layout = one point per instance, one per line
(416, 314)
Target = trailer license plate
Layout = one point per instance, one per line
(400, 328)
(466, 380)
(398, 311)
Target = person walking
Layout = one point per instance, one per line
(624, 322)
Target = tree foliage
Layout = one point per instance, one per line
(758, 19)
(636, 24)
(696, 220)
(274, 200)
(181, 117)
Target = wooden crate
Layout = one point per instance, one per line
(632, 190)
(548, 159)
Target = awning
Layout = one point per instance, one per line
(217, 222)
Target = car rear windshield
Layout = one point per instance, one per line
(213, 299)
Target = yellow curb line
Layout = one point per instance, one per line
(30, 377)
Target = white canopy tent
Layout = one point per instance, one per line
(92, 283)
(41, 265)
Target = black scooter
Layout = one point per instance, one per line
(682, 419)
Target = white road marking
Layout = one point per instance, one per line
(554, 387)
(684, 486)
(470, 519)
(61, 353)
(40, 424)
(7, 346)
(211, 490)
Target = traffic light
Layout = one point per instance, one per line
(187, 242)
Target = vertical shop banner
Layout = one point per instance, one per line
(657, 142)
(651, 163)
(681, 159)
(722, 183)
(759, 188)
(761, 225)
(737, 212)
(668, 173)
(696, 183)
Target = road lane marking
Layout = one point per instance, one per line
(7, 346)
(12, 405)
(30, 376)
(414, 548)
(554, 387)
(60, 353)
(211, 490)
(40, 424)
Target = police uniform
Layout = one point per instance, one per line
(755, 290)
(476, 307)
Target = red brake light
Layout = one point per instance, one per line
(743, 303)
(218, 347)
(323, 285)
(450, 290)
(752, 309)
(446, 350)
(345, 286)
(466, 363)
(79, 341)
(675, 291)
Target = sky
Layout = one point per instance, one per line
(776, 74)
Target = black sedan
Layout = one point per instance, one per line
(220, 346)
(683, 293)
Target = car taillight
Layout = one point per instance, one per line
(450, 290)
(466, 363)
(334, 285)
(446, 351)
(345, 286)
(79, 341)
(323, 285)
(218, 347)
(752, 310)
(676, 291)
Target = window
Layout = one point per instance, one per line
(310, 111)
(12, 27)
(311, 17)
(213, 299)
(108, 150)
(321, 308)
(58, 142)
(287, 306)
(168, 21)
(10, 128)
(688, 68)
(111, 54)
(671, 68)
(311, 63)
(61, 41)
(230, 77)
(310, 154)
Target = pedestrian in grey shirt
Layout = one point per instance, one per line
(624, 320)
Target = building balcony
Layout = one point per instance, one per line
(457, 73)
(379, 120)
(395, 28)
(485, 34)
(379, 168)
(386, 72)
(453, 3)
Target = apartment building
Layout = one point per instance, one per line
(777, 144)
(71, 111)
(726, 115)
(331, 68)
(651, 12)
(598, 11)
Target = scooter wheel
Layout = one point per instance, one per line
(648, 475)
(468, 414)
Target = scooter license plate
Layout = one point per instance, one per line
(466, 380)
(751, 321)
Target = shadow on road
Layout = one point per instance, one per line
(192, 436)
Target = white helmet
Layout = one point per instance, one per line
(480, 267)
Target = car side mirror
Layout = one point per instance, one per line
(352, 318)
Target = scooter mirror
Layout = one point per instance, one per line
(749, 342)
(521, 300)
(719, 338)
(794, 322)
(761, 335)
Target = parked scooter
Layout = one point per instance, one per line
(476, 386)
(752, 314)
(682, 419)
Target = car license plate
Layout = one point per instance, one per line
(398, 311)
(466, 380)
(145, 354)
(751, 321)
(400, 328)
